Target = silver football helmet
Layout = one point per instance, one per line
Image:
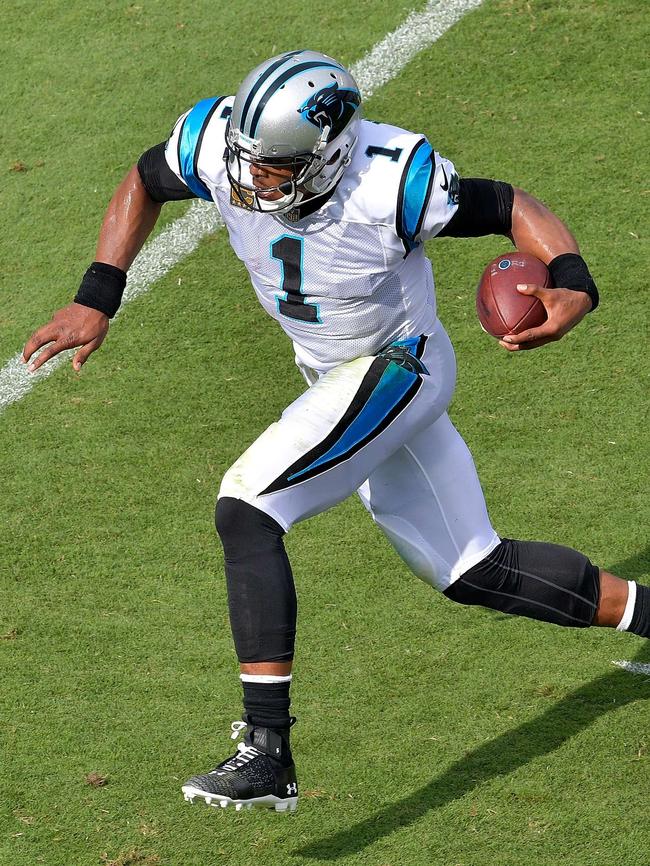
(299, 110)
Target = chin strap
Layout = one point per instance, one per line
(282, 205)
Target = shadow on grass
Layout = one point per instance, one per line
(501, 756)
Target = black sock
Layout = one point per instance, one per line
(266, 705)
(640, 623)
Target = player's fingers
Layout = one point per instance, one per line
(39, 338)
(84, 352)
(49, 352)
(546, 332)
(532, 289)
(531, 344)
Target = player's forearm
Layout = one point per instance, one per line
(537, 230)
(128, 222)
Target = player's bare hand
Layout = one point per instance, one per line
(70, 327)
(564, 309)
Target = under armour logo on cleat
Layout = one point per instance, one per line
(292, 788)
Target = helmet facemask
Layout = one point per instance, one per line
(239, 158)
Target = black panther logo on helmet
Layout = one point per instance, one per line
(331, 107)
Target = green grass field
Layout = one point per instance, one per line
(428, 733)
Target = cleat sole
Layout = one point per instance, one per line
(278, 804)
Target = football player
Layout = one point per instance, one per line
(329, 213)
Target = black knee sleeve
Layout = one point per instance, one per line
(530, 578)
(261, 591)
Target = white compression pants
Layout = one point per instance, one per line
(373, 426)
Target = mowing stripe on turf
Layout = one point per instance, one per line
(384, 62)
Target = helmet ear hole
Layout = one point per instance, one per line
(336, 155)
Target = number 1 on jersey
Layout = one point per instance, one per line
(288, 249)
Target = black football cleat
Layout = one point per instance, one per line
(261, 773)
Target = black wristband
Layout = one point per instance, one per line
(102, 288)
(570, 271)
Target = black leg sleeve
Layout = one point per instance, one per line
(261, 591)
(530, 578)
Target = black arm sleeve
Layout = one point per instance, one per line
(484, 208)
(159, 180)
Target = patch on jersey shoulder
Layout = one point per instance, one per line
(243, 200)
(454, 190)
(451, 186)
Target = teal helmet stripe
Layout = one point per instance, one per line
(277, 84)
(260, 81)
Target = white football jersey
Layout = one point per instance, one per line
(351, 277)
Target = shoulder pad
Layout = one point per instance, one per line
(195, 147)
(381, 157)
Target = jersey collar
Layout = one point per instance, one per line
(310, 206)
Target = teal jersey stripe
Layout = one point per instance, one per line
(190, 143)
(417, 189)
(393, 386)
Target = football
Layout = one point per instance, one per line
(501, 308)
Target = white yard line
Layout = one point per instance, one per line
(421, 29)
(384, 62)
(170, 246)
(633, 667)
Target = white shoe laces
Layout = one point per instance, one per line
(246, 753)
(237, 728)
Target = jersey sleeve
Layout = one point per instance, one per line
(184, 151)
(427, 197)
